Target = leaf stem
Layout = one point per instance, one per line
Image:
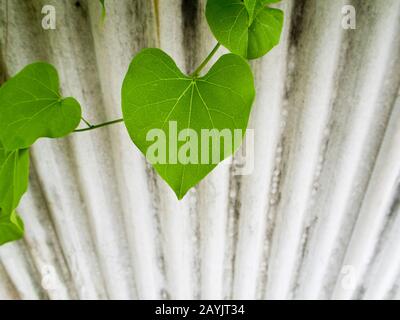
(206, 60)
(100, 125)
(86, 122)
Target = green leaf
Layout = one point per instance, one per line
(31, 107)
(246, 27)
(14, 175)
(103, 5)
(250, 6)
(11, 228)
(156, 94)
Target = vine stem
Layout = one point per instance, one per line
(100, 125)
(206, 61)
(86, 122)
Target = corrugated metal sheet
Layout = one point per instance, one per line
(318, 218)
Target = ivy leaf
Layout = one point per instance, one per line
(14, 175)
(32, 107)
(246, 27)
(157, 95)
(11, 228)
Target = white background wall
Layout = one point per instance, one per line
(318, 218)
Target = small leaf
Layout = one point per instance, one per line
(11, 228)
(103, 5)
(246, 27)
(31, 107)
(14, 175)
(156, 94)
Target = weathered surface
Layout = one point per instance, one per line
(318, 218)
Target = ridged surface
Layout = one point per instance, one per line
(319, 217)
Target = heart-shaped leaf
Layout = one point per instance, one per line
(11, 228)
(246, 27)
(14, 174)
(31, 107)
(157, 95)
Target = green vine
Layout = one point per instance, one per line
(156, 95)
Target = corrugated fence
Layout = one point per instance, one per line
(319, 216)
